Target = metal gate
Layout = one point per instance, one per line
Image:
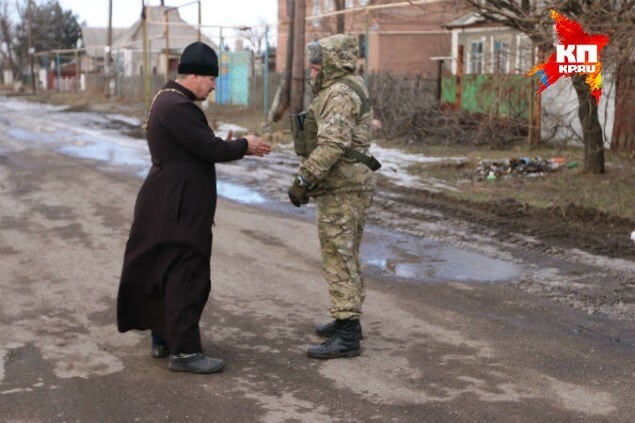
(232, 84)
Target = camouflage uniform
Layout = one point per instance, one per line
(344, 187)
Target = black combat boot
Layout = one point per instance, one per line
(328, 329)
(343, 343)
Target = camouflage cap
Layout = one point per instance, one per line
(340, 51)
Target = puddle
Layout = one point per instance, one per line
(105, 151)
(384, 252)
(135, 156)
(430, 261)
(239, 193)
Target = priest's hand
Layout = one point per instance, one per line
(256, 146)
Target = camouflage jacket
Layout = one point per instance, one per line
(337, 108)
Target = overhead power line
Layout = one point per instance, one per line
(375, 7)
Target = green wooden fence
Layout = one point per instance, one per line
(499, 95)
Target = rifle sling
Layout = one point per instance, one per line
(369, 161)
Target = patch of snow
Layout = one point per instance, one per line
(400, 157)
(224, 128)
(132, 121)
(395, 163)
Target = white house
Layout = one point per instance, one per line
(493, 49)
(166, 32)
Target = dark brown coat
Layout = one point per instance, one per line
(165, 280)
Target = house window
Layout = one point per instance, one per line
(316, 10)
(362, 45)
(349, 4)
(363, 2)
(524, 59)
(475, 60)
(501, 57)
(328, 5)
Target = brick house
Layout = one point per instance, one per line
(395, 36)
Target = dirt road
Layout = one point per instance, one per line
(448, 351)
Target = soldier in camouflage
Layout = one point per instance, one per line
(338, 175)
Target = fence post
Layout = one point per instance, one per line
(459, 75)
(58, 65)
(146, 61)
(266, 73)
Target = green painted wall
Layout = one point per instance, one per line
(501, 95)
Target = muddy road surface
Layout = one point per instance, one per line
(464, 321)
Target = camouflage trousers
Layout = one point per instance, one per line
(340, 223)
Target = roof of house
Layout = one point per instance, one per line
(96, 39)
(180, 34)
(468, 20)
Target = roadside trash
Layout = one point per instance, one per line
(633, 236)
(559, 160)
(523, 166)
(572, 165)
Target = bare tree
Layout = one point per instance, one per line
(283, 95)
(7, 37)
(255, 37)
(623, 50)
(533, 19)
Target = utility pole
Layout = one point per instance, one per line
(265, 72)
(108, 56)
(166, 34)
(200, 21)
(146, 58)
(286, 94)
(297, 74)
(341, 18)
(31, 48)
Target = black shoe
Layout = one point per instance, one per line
(159, 346)
(344, 343)
(160, 351)
(328, 329)
(195, 363)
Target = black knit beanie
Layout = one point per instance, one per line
(198, 59)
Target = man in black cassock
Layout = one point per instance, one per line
(165, 280)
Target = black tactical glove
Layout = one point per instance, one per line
(297, 192)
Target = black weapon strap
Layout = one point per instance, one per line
(369, 161)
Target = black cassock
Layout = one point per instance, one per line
(165, 280)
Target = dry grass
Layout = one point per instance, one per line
(612, 192)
